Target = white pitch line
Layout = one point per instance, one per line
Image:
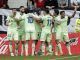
(66, 57)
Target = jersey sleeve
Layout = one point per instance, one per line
(17, 15)
(42, 18)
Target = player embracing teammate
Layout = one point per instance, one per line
(23, 28)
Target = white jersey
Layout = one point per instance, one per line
(29, 24)
(20, 22)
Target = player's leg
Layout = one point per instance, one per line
(9, 37)
(58, 40)
(10, 48)
(34, 38)
(27, 38)
(37, 49)
(49, 48)
(42, 39)
(16, 48)
(66, 38)
(22, 40)
(16, 39)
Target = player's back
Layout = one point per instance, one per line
(47, 20)
(29, 23)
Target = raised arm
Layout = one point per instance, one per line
(73, 13)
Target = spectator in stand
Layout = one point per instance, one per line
(30, 4)
(3, 2)
(5, 6)
(40, 3)
(75, 3)
(51, 4)
(63, 3)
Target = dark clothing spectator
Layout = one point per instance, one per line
(51, 3)
(30, 4)
(3, 2)
(5, 6)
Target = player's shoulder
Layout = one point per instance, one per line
(8, 17)
(24, 15)
(50, 17)
(66, 16)
(57, 17)
(18, 13)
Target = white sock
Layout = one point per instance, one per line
(22, 50)
(56, 51)
(43, 48)
(26, 49)
(50, 48)
(69, 50)
(10, 48)
(12, 54)
(59, 45)
(16, 52)
(33, 48)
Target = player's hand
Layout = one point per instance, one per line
(75, 8)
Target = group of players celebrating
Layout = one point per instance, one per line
(31, 26)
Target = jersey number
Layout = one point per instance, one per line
(49, 22)
(30, 20)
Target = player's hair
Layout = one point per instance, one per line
(13, 8)
(61, 12)
(21, 7)
(56, 11)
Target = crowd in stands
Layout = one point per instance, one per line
(32, 4)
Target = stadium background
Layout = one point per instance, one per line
(4, 49)
(75, 47)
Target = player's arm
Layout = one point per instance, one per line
(73, 13)
(18, 17)
(58, 21)
(36, 17)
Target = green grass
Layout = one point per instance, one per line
(77, 57)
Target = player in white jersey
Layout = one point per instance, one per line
(30, 32)
(55, 16)
(46, 32)
(62, 30)
(20, 16)
(12, 32)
